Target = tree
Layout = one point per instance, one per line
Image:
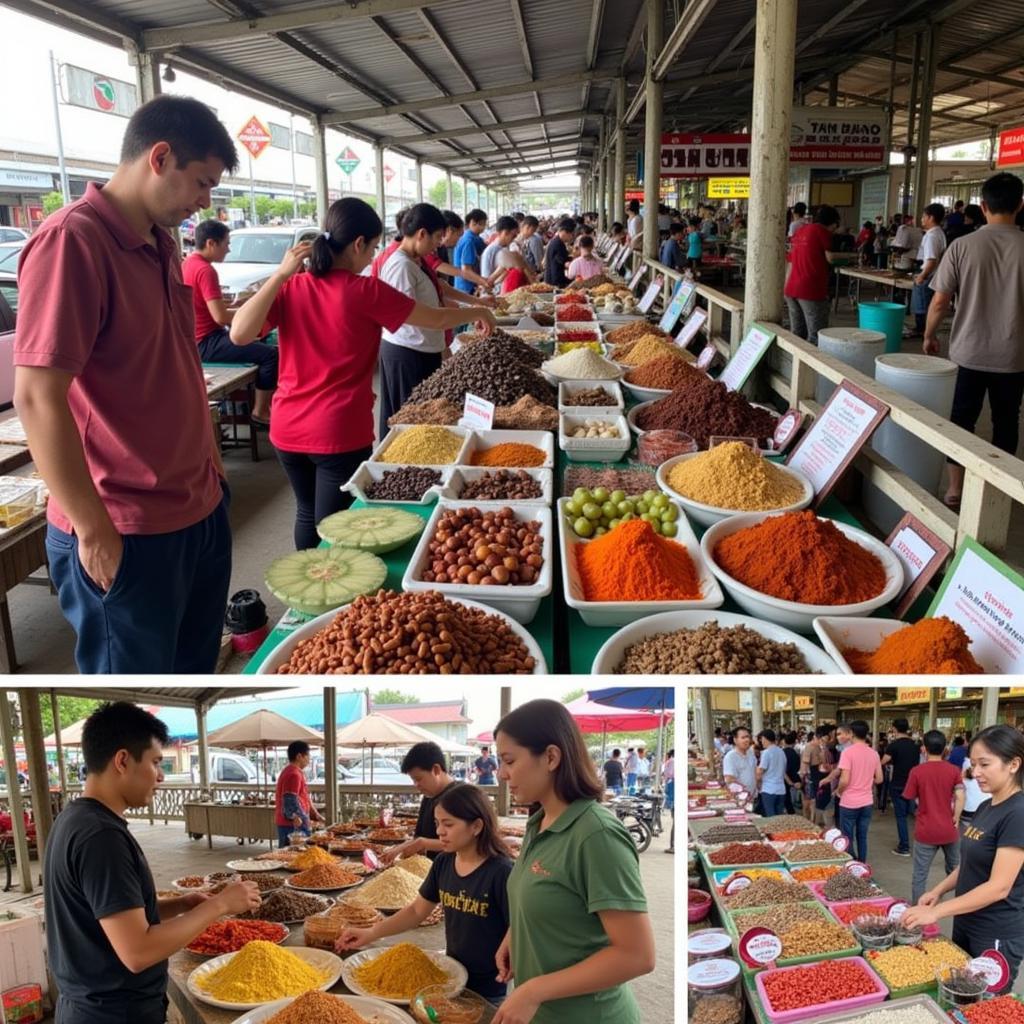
(307, 208)
(394, 697)
(283, 208)
(264, 205)
(70, 709)
(437, 194)
(52, 202)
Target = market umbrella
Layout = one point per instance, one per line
(263, 729)
(592, 717)
(660, 699)
(377, 730)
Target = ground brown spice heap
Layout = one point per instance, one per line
(317, 1008)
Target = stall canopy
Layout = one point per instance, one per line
(593, 717)
(660, 699)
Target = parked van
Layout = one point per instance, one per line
(223, 766)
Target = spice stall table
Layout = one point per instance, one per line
(194, 1012)
(542, 627)
(893, 279)
(223, 382)
(254, 822)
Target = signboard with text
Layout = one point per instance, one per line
(921, 553)
(682, 300)
(728, 188)
(1011, 148)
(254, 136)
(98, 92)
(750, 352)
(348, 160)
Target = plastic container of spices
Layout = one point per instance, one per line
(711, 944)
(715, 992)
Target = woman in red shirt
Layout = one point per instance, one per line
(329, 324)
(806, 291)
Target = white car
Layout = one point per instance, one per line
(9, 254)
(255, 254)
(12, 234)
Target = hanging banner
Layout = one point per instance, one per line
(1011, 148)
(98, 92)
(912, 694)
(838, 136)
(704, 156)
(728, 188)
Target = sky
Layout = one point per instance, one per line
(28, 126)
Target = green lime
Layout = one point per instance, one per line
(573, 509)
(618, 496)
(592, 511)
(612, 523)
(610, 509)
(583, 527)
(669, 529)
(649, 496)
(600, 495)
(670, 515)
(581, 495)
(660, 501)
(625, 506)
(600, 531)
(643, 507)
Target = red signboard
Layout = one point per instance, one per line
(388, 173)
(254, 136)
(1011, 148)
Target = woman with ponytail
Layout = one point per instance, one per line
(329, 324)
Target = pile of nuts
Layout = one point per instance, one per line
(744, 833)
(812, 851)
(491, 548)
(595, 428)
(845, 886)
(903, 966)
(718, 1009)
(766, 892)
(809, 938)
(590, 397)
(786, 823)
(779, 919)
(502, 485)
(412, 634)
(409, 483)
(744, 853)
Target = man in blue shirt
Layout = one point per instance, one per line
(670, 254)
(469, 249)
(771, 775)
(958, 752)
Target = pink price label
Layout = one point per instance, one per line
(896, 911)
(736, 883)
(859, 869)
(841, 844)
(735, 787)
(371, 860)
(993, 966)
(786, 428)
(706, 357)
(760, 947)
(831, 834)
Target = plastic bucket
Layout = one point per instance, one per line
(853, 345)
(886, 317)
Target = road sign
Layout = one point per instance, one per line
(388, 174)
(254, 136)
(348, 160)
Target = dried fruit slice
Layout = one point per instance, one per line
(371, 529)
(320, 579)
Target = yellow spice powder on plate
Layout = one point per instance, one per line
(399, 972)
(259, 973)
(734, 476)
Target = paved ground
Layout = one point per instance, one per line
(171, 854)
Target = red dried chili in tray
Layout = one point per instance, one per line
(794, 988)
(572, 314)
(578, 336)
(231, 935)
(745, 853)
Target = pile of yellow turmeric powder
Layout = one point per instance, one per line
(399, 972)
(735, 477)
(261, 972)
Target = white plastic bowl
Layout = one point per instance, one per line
(612, 388)
(519, 602)
(461, 475)
(645, 394)
(614, 648)
(393, 433)
(373, 472)
(593, 449)
(618, 613)
(708, 515)
(840, 634)
(283, 651)
(634, 412)
(792, 614)
(480, 440)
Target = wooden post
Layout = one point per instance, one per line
(652, 126)
(62, 769)
(204, 750)
(603, 224)
(14, 792)
(984, 513)
(502, 802)
(35, 754)
(756, 709)
(922, 195)
(330, 754)
(619, 204)
(320, 169)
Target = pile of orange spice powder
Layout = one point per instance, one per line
(929, 647)
(633, 563)
(799, 557)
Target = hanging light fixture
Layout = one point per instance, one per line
(169, 75)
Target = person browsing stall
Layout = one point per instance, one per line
(988, 903)
(108, 936)
(740, 763)
(903, 754)
(469, 879)
(771, 774)
(329, 328)
(485, 766)
(579, 928)
(556, 257)
(586, 264)
(468, 252)
(293, 810)
(426, 766)
(860, 770)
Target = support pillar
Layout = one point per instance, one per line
(39, 779)
(933, 707)
(911, 115)
(202, 744)
(756, 708)
(989, 707)
(609, 175)
(378, 153)
(652, 126)
(774, 55)
(603, 223)
(619, 202)
(320, 169)
(14, 793)
(147, 72)
(62, 768)
(874, 717)
(501, 803)
(922, 195)
(330, 754)
(706, 738)
(792, 710)
(833, 90)
(419, 181)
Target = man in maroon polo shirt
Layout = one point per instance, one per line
(110, 390)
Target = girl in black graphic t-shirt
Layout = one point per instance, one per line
(468, 879)
(988, 906)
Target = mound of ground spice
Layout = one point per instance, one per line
(324, 876)
(666, 372)
(318, 1008)
(929, 647)
(510, 454)
(648, 348)
(400, 972)
(734, 476)
(798, 557)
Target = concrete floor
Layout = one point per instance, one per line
(261, 518)
(171, 854)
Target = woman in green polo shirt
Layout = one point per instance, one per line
(578, 917)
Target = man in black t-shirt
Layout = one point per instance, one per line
(425, 764)
(903, 754)
(108, 936)
(556, 257)
(613, 772)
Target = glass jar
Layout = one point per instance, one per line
(712, 944)
(715, 992)
(322, 931)
(658, 446)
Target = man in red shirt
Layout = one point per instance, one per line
(213, 318)
(806, 291)
(939, 790)
(110, 391)
(293, 811)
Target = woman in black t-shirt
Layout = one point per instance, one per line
(469, 879)
(988, 906)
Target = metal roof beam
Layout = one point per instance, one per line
(851, 7)
(559, 153)
(87, 20)
(296, 18)
(526, 122)
(524, 40)
(723, 54)
(458, 99)
(540, 147)
(686, 28)
(594, 33)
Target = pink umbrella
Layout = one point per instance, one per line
(591, 717)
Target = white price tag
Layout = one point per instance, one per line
(477, 413)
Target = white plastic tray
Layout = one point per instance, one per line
(382, 448)
(519, 602)
(376, 1010)
(593, 449)
(373, 472)
(632, 415)
(573, 387)
(619, 613)
(839, 633)
(463, 474)
(482, 439)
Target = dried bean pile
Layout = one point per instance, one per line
(815, 985)
(502, 485)
(766, 892)
(744, 853)
(632, 481)
(809, 938)
(711, 649)
(264, 882)
(818, 850)
(729, 834)
(785, 822)
(409, 483)
(286, 905)
(845, 886)
(590, 397)
(509, 345)
(720, 1009)
(779, 919)
(411, 634)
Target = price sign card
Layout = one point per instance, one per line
(612, 253)
(692, 327)
(843, 428)
(682, 299)
(649, 296)
(751, 351)
(620, 260)
(921, 553)
(986, 597)
(637, 278)
(477, 413)
(708, 354)
(786, 430)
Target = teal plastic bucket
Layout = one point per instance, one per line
(886, 317)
